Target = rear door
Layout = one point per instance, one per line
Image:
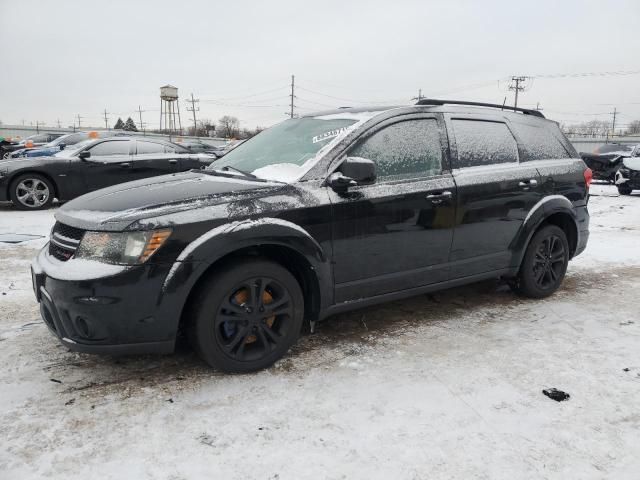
(495, 193)
(395, 234)
(151, 159)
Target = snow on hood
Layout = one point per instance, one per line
(282, 172)
(116, 207)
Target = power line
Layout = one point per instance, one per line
(140, 111)
(106, 120)
(293, 96)
(517, 88)
(193, 109)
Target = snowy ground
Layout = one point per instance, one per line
(440, 386)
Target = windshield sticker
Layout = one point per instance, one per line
(327, 135)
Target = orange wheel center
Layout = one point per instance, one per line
(242, 296)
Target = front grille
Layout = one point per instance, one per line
(64, 241)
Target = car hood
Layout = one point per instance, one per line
(22, 162)
(124, 206)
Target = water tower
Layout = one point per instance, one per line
(169, 110)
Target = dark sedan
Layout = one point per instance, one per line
(33, 183)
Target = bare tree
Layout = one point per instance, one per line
(228, 127)
(633, 128)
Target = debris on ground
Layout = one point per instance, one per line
(555, 394)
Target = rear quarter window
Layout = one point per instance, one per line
(481, 142)
(539, 142)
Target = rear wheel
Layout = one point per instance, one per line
(246, 315)
(31, 192)
(624, 190)
(545, 263)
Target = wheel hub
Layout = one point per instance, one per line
(241, 297)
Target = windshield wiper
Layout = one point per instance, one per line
(226, 168)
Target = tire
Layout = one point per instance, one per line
(6, 155)
(544, 264)
(31, 192)
(623, 190)
(226, 324)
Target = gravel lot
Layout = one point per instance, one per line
(447, 385)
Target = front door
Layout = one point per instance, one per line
(395, 234)
(109, 164)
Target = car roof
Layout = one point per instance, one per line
(478, 109)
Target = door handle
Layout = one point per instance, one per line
(173, 161)
(125, 165)
(438, 198)
(445, 194)
(528, 183)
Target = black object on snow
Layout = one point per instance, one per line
(555, 394)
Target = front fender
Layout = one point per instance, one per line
(542, 210)
(210, 247)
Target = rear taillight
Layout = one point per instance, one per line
(588, 177)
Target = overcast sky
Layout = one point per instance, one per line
(63, 58)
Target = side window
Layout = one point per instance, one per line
(150, 147)
(483, 143)
(403, 150)
(117, 147)
(539, 142)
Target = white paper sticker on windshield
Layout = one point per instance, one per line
(327, 135)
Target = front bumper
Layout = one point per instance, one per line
(94, 308)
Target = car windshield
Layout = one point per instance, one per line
(281, 152)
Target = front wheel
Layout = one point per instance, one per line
(246, 315)
(31, 192)
(624, 190)
(545, 263)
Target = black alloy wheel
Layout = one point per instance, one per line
(545, 263)
(246, 315)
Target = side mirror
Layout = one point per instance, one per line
(353, 171)
(84, 154)
(62, 145)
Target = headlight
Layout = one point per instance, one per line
(129, 248)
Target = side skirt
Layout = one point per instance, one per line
(412, 292)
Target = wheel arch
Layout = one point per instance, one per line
(551, 210)
(282, 242)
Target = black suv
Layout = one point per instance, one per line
(315, 216)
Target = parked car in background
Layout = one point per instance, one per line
(56, 145)
(33, 141)
(628, 173)
(202, 146)
(605, 160)
(315, 216)
(33, 183)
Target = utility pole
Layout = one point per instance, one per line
(140, 116)
(293, 86)
(517, 88)
(79, 120)
(106, 120)
(613, 125)
(38, 123)
(193, 109)
(58, 121)
(419, 97)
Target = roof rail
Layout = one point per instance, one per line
(526, 111)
